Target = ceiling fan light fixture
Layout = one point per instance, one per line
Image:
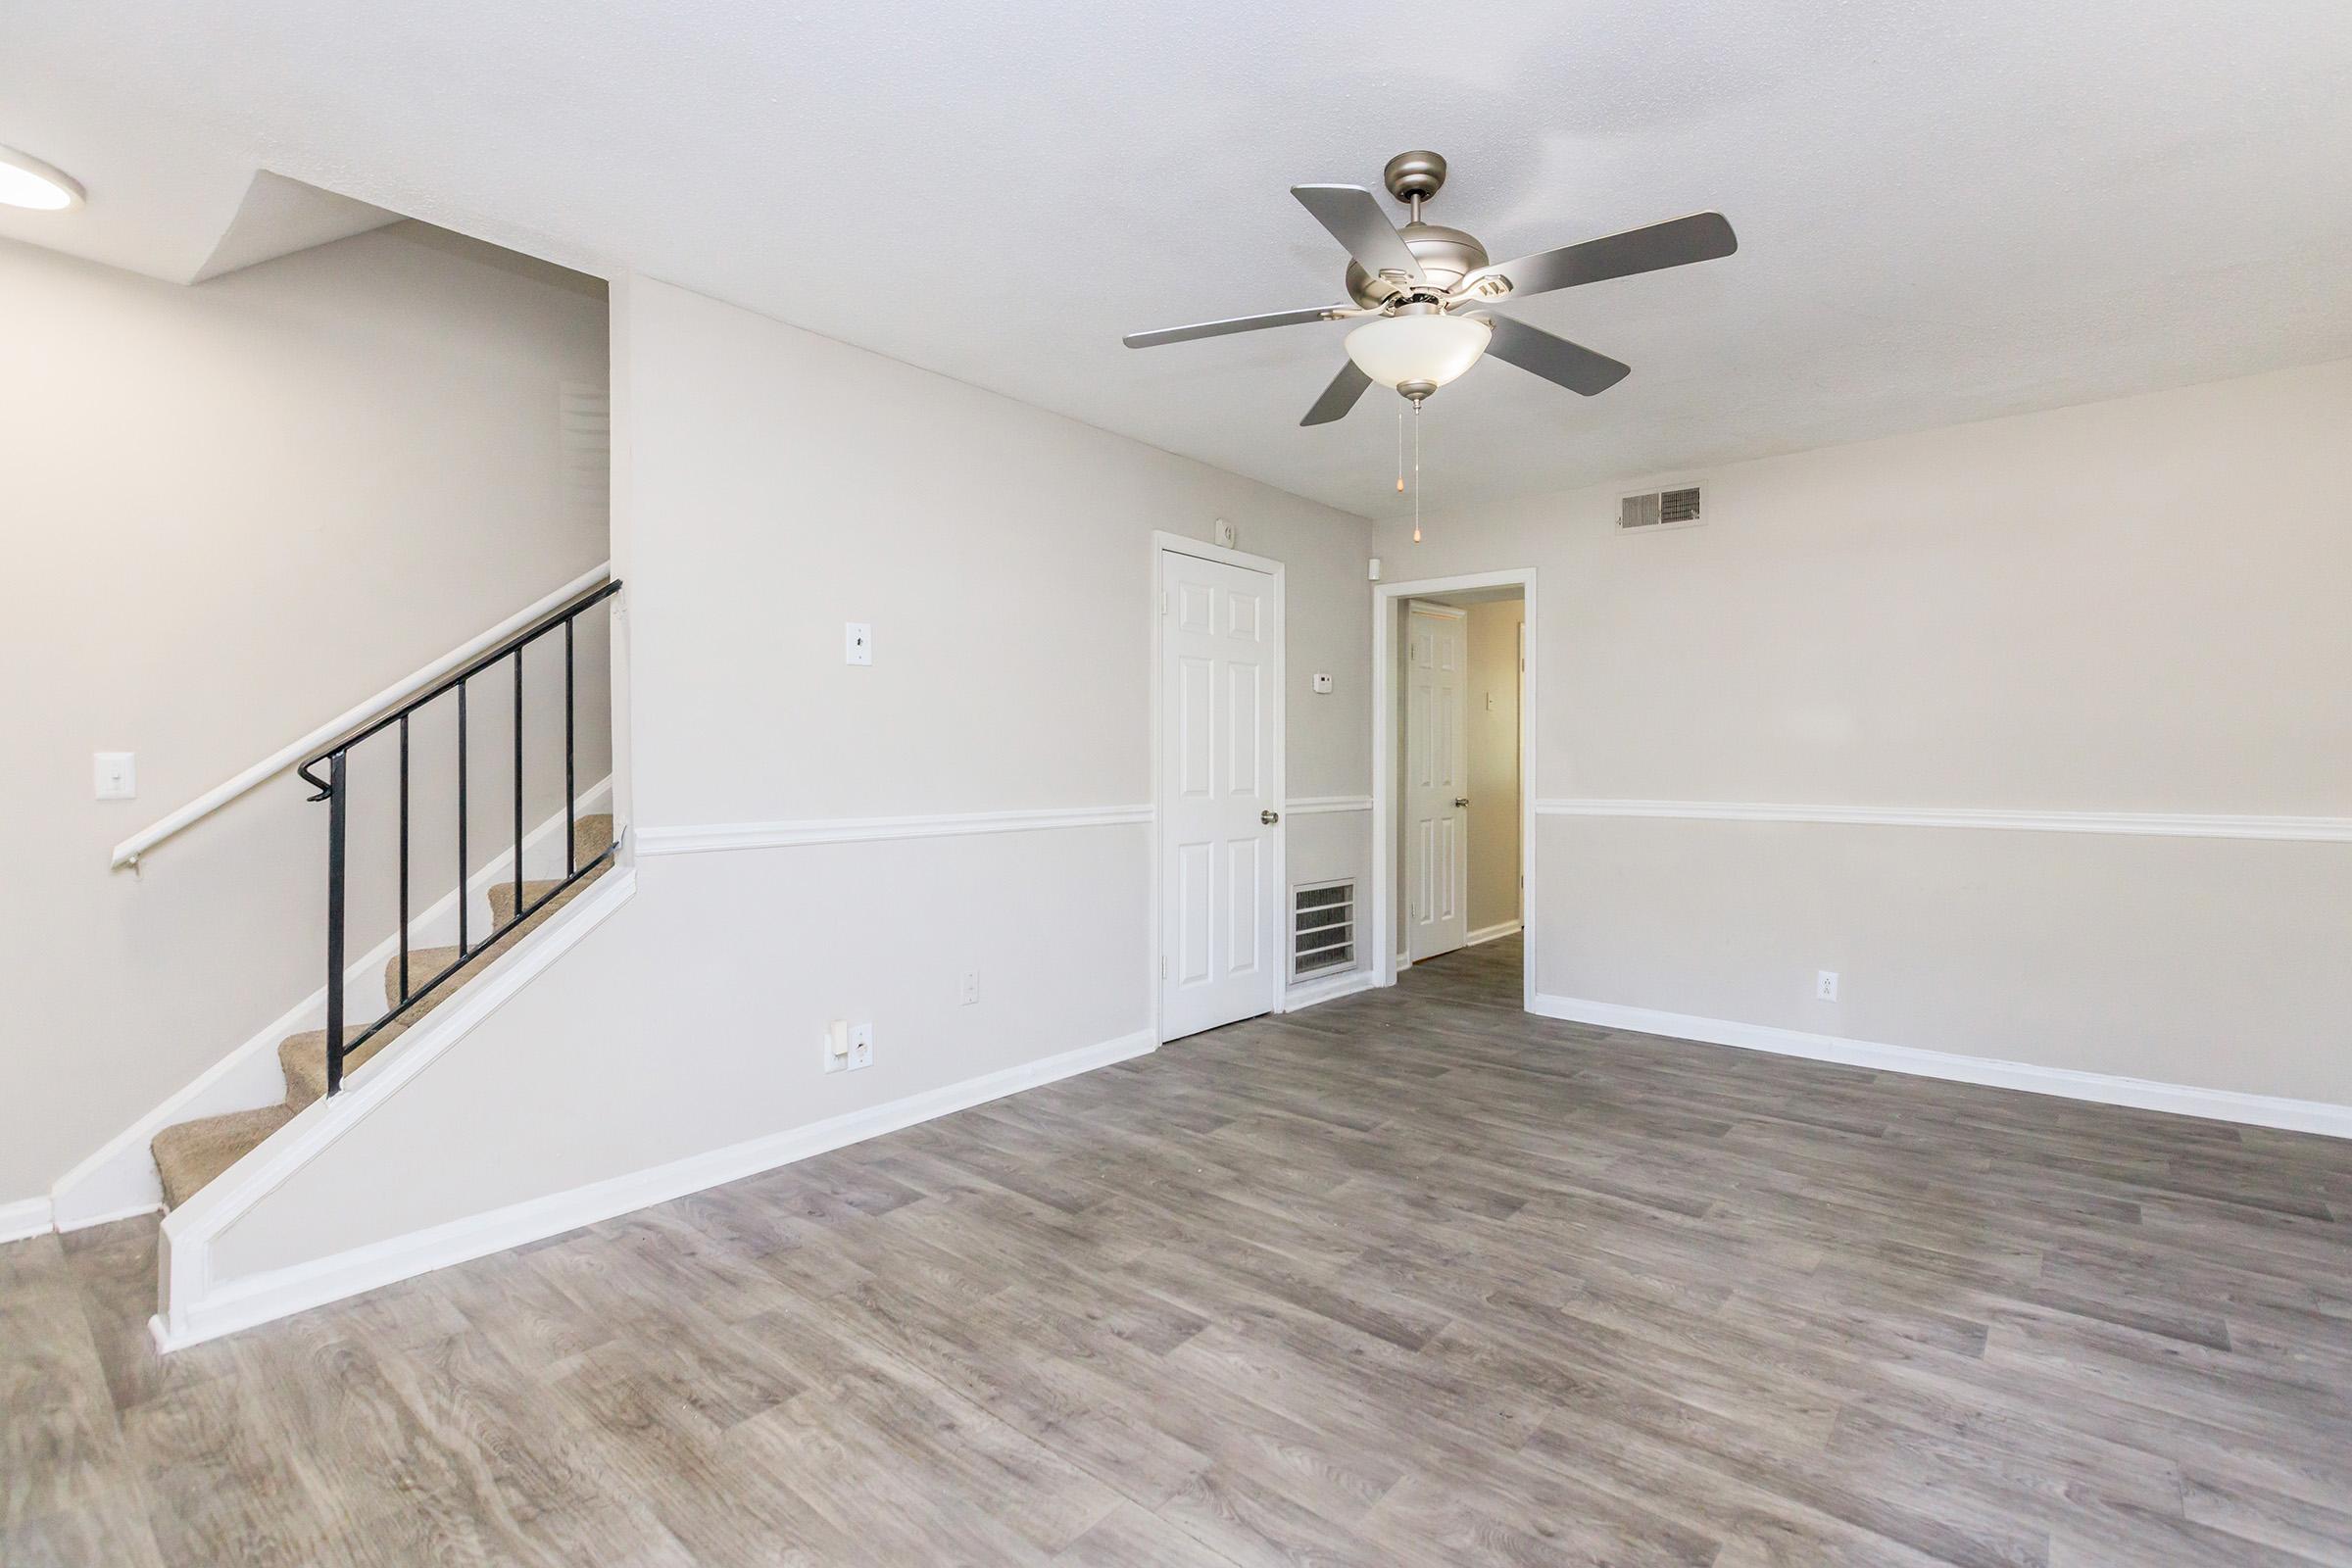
(1428, 350)
(26, 182)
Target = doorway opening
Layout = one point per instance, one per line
(1453, 851)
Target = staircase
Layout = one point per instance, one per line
(190, 1154)
(316, 1063)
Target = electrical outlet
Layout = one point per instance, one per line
(862, 1045)
(1825, 986)
(116, 775)
(836, 1042)
(971, 987)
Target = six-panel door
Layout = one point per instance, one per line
(1220, 920)
(1436, 772)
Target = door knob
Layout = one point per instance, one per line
(1461, 800)
(1269, 818)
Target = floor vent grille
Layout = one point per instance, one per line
(1322, 927)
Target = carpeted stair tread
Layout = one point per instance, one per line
(427, 962)
(303, 1057)
(502, 895)
(193, 1153)
(591, 835)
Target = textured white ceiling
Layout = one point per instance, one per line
(1946, 211)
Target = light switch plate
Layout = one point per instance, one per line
(857, 643)
(862, 1045)
(114, 775)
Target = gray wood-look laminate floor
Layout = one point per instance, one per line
(1407, 1278)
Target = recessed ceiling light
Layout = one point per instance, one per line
(26, 182)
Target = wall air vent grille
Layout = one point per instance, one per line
(584, 413)
(1322, 928)
(1678, 508)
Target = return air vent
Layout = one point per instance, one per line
(1322, 928)
(585, 416)
(1678, 508)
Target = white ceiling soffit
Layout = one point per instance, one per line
(1945, 212)
(280, 216)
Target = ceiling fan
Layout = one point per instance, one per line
(1421, 291)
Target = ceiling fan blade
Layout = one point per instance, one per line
(1701, 237)
(1353, 214)
(1231, 323)
(1339, 397)
(1555, 359)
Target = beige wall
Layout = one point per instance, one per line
(1493, 705)
(773, 485)
(2130, 606)
(790, 483)
(230, 512)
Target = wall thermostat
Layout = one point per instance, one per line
(1323, 683)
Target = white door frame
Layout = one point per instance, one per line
(1386, 600)
(1162, 544)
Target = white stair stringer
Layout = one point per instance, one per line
(192, 1306)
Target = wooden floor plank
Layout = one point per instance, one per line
(1412, 1277)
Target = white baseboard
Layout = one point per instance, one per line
(27, 1216)
(1316, 992)
(259, 1299)
(1491, 933)
(2105, 1089)
(119, 1180)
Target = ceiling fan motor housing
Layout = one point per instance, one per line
(1447, 257)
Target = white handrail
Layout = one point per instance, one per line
(128, 851)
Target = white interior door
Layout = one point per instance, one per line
(1436, 773)
(1221, 902)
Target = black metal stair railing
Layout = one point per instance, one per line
(334, 789)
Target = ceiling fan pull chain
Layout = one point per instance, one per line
(1416, 473)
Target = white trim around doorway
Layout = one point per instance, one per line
(1386, 598)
